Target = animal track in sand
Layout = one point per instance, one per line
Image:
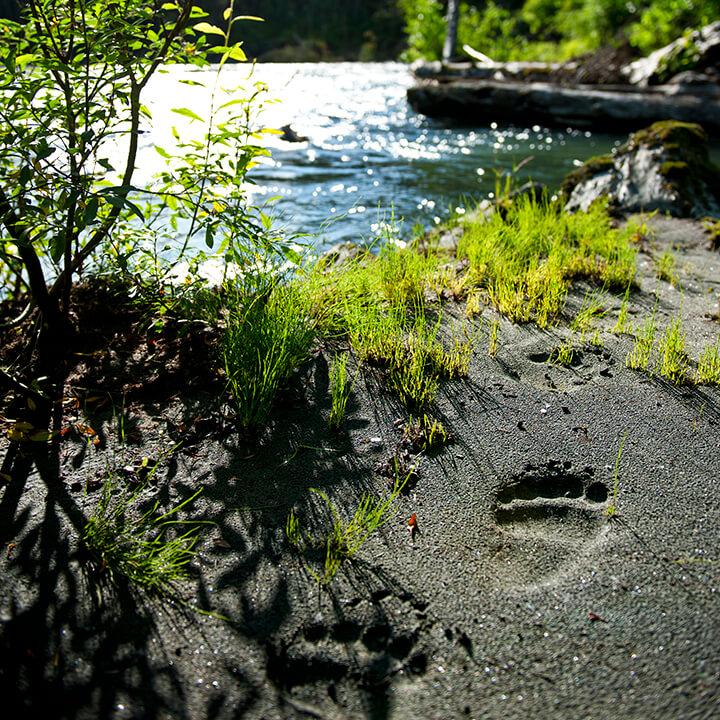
(365, 652)
(551, 499)
(589, 365)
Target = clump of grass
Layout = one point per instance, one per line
(379, 305)
(623, 324)
(527, 258)
(712, 228)
(150, 550)
(340, 388)
(493, 338)
(708, 369)
(665, 268)
(266, 338)
(426, 433)
(346, 536)
(640, 355)
(673, 358)
(563, 354)
(474, 303)
(404, 275)
(408, 346)
(591, 309)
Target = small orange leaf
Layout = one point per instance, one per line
(85, 430)
(412, 526)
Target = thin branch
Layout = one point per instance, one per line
(19, 319)
(19, 386)
(136, 87)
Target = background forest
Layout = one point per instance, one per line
(316, 30)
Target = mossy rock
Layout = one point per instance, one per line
(663, 167)
(593, 166)
(670, 134)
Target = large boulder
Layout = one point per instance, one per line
(698, 51)
(664, 167)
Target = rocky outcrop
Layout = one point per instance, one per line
(609, 108)
(664, 167)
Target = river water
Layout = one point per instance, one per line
(368, 158)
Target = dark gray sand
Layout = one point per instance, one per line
(518, 598)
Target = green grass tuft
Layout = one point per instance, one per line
(527, 258)
(150, 550)
(345, 537)
(708, 369)
(340, 388)
(640, 355)
(267, 337)
(665, 268)
(591, 309)
(426, 433)
(623, 324)
(563, 354)
(673, 358)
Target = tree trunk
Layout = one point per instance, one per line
(453, 12)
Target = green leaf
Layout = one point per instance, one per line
(43, 150)
(208, 29)
(187, 113)
(57, 248)
(9, 63)
(134, 209)
(233, 53)
(238, 101)
(91, 210)
(26, 175)
(253, 18)
(209, 236)
(22, 60)
(162, 152)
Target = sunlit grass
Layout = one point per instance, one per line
(641, 354)
(666, 268)
(344, 538)
(340, 387)
(378, 305)
(266, 338)
(708, 369)
(527, 258)
(673, 358)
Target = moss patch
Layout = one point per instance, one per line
(672, 135)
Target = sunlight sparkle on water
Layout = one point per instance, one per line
(368, 154)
